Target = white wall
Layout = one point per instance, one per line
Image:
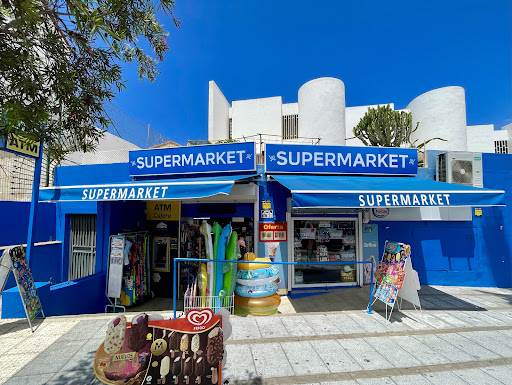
(218, 113)
(257, 116)
(441, 113)
(322, 111)
(290, 109)
(481, 138)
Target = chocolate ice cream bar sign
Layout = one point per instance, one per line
(154, 351)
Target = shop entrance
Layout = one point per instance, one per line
(317, 239)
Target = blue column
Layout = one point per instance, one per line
(33, 203)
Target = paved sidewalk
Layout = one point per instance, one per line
(463, 336)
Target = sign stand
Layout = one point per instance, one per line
(117, 246)
(14, 259)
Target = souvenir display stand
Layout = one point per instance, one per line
(395, 278)
(128, 274)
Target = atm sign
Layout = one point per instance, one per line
(273, 232)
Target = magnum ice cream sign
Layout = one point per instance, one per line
(152, 351)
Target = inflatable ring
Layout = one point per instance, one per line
(257, 306)
(258, 273)
(256, 291)
(258, 281)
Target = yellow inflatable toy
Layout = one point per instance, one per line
(253, 266)
(257, 306)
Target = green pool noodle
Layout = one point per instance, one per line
(216, 230)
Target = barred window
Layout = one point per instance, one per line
(290, 126)
(230, 128)
(501, 146)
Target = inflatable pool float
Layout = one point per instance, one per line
(258, 273)
(257, 306)
(216, 229)
(253, 266)
(256, 291)
(206, 231)
(203, 279)
(229, 269)
(257, 281)
(221, 255)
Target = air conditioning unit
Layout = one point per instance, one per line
(460, 168)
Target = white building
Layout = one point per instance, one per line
(321, 117)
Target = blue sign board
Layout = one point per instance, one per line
(213, 158)
(291, 158)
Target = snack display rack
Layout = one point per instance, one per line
(213, 302)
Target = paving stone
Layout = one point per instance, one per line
(335, 357)
(419, 350)
(83, 357)
(475, 377)
(52, 359)
(349, 382)
(40, 379)
(270, 360)
(414, 379)
(452, 353)
(501, 373)
(239, 363)
(500, 315)
(271, 327)
(66, 378)
(344, 323)
(399, 359)
(375, 381)
(366, 322)
(468, 346)
(303, 359)
(484, 318)
(452, 321)
(490, 341)
(444, 378)
(12, 363)
(414, 323)
(322, 325)
(297, 326)
(244, 328)
(366, 356)
(83, 330)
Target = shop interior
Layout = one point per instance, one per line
(147, 278)
(324, 240)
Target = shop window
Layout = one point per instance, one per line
(325, 241)
(82, 240)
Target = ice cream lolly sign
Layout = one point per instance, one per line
(151, 350)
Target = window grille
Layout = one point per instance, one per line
(230, 128)
(501, 146)
(82, 250)
(290, 126)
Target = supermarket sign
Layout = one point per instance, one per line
(273, 232)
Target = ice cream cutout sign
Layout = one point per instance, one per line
(150, 350)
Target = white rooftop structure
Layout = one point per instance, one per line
(321, 117)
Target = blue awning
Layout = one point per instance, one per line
(176, 189)
(367, 191)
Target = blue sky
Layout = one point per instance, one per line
(384, 51)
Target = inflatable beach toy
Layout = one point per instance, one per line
(229, 269)
(257, 281)
(216, 229)
(221, 255)
(257, 306)
(256, 291)
(253, 266)
(258, 273)
(206, 231)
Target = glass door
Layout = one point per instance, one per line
(325, 240)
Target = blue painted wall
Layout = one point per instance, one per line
(14, 227)
(474, 253)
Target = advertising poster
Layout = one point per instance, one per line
(25, 281)
(390, 274)
(187, 350)
(370, 249)
(115, 272)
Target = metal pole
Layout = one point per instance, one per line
(33, 203)
(174, 287)
(371, 292)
